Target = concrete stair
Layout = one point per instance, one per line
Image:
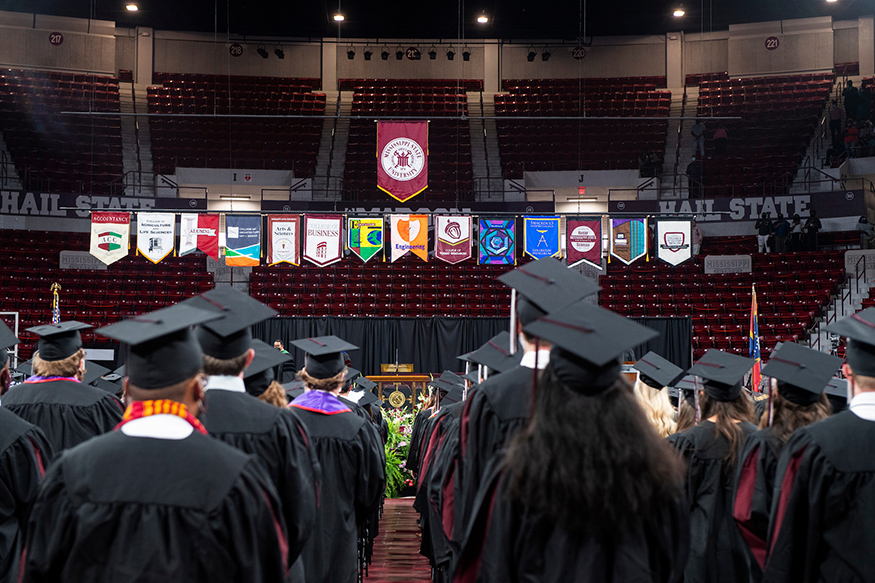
(678, 144)
(849, 301)
(139, 175)
(331, 160)
(494, 185)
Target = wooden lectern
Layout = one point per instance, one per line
(400, 390)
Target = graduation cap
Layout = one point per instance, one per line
(351, 374)
(259, 374)
(455, 395)
(364, 383)
(722, 373)
(495, 354)
(93, 372)
(656, 371)
(546, 285)
(450, 377)
(294, 389)
(59, 341)
(228, 337)
(25, 368)
(472, 376)
(7, 340)
(802, 373)
(324, 355)
(442, 386)
(859, 329)
(163, 350)
(368, 399)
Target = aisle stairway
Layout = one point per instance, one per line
(396, 551)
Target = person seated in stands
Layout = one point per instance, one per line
(721, 137)
(866, 139)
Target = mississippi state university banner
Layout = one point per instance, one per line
(364, 236)
(497, 242)
(155, 235)
(409, 235)
(402, 158)
(674, 241)
(282, 244)
(541, 236)
(583, 241)
(242, 240)
(453, 238)
(628, 239)
(199, 232)
(323, 239)
(110, 236)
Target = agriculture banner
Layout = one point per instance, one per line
(628, 239)
(364, 236)
(284, 234)
(453, 238)
(497, 242)
(409, 234)
(323, 239)
(242, 240)
(583, 241)
(155, 235)
(541, 236)
(199, 232)
(402, 158)
(674, 241)
(110, 236)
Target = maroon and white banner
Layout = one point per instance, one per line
(583, 241)
(453, 238)
(323, 239)
(402, 158)
(282, 244)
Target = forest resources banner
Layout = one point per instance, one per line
(283, 244)
(155, 233)
(323, 239)
(110, 236)
(242, 240)
(583, 241)
(402, 158)
(364, 236)
(199, 232)
(453, 238)
(409, 235)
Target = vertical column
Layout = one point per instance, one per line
(329, 65)
(491, 68)
(674, 61)
(144, 62)
(866, 30)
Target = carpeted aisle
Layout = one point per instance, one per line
(396, 556)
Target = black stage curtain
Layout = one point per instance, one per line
(675, 343)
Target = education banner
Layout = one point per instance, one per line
(110, 236)
(409, 235)
(583, 241)
(323, 239)
(541, 237)
(364, 236)
(155, 235)
(283, 242)
(628, 239)
(402, 158)
(242, 240)
(497, 242)
(674, 241)
(452, 238)
(197, 231)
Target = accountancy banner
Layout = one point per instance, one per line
(198, 231)
(402, 158)
(541, 237)
(155, 233)
(110, 236)
(323, 239)
(242, 240)
(583, 241)
(497, 242)
(409, 235)
(364, 236)
(453, 238)
(674, 241)
(283, 240)
(628, 239)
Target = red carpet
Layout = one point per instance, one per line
(396, 556)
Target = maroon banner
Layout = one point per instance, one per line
(583, 241)
(452, 238)
(402, 158)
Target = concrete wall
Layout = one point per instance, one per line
(804, 44)
(706, 53)
(847, 41)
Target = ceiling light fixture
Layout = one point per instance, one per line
(234, 197)
(350, 53)
(545, 56)
(384, 54)
(531, 56)
(451, 54)
(338, 17)
(367, 53)
(399, 54)
(466, 54)
(262, 51)
(678, 12)
(131, 7)
(483, 19)
(432, 53)
(280, 54)
(583, 199)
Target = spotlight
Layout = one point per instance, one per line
(531, 56)
(545, 56)
(466, 54)
(338, 17)
(350, 54)
(368, 52)
(451, 54)
(132, 7)
(384, 54)
(261, 51)
(399, 54)
(680, 12)
(432, 53)
(417, 54)
(483, 19)
(280, 54)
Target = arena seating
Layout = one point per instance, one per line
(450, 174)
(561, 144)
(56, 152)
(237, 142)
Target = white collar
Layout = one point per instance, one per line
(863, 405)
(225, 383)
(159, 427)
(528, 359)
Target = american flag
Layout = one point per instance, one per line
(56, 304)
(754, 343)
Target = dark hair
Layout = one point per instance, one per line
(686, 415)
(277, 340)
(728, 412)
(787, 416)
(593, 464)
(225, 366)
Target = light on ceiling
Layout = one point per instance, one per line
(262, 51)
(384, 54)
(451, 54)
(368, 52)
(338, 17)
(531, 56)
(583, 199)
(350, 53)
(466, 54)
(545, 56)
(279, 52)
(483, 19)
(432, 53)
(132, 7)
(234, 197)
(399, 54)
(678, 12)
(831, 1)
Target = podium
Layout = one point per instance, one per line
(402, 389)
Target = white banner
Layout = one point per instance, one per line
(323, 239)
(110, 236)
(155, 235)
(674, 243)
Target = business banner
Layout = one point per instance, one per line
(497, 242)
(452, 238)
(541, 237)
(199, 232)
(155, 235)
(110, 236)
(323, 239)
(583, 241)
(402, 158)
(409, 235)
(364, 236)
(628, 239)
(242, 240)
(674, 241)
(283, 240)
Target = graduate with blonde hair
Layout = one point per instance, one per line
(654, 375)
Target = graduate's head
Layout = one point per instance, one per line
(259, 375)
(59, 351)
(231, 367)
(71, 366)
(859, 368)
(325, 366)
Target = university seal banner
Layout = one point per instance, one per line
(199, 232)
(323, 239)
(402, 158)
(155, 235)
(409, 235)
(364, 236)
(628, 239)
(583, 241)
(110, 236)
(674, 243)
(242, 240)
(497, 242)
(282, 244)
(453, 238)
(541, 237)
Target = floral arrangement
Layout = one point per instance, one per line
(398, 476)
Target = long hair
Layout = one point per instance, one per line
(727, 413)
(592, 464)
(657, 407)
(686, 415)
(787, 416)
(274, 395)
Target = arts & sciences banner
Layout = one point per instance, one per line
(497, 242)
(110, 236)
(674, 241)
(282, 244)
(402, 158)
(541, 237)
(323, 239)
(453, 238)
(364, 236)
(242, 240)
(199, 231)
(583, 241)
(628, 239)
(409, 235)
(155, 233)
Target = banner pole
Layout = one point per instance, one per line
(513, 320)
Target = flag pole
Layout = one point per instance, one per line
(56, 303)
(756, 375)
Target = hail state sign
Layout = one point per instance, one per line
(402, 158)
(674, 244)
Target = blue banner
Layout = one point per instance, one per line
(497, 242)
(541, 237)
(242, 240)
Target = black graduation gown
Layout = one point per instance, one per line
(353, 481)
(144, 510)
(25, 453)
(717, 552)
(68, 412)
(416, 439)
(279, 439)
(824, 504)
